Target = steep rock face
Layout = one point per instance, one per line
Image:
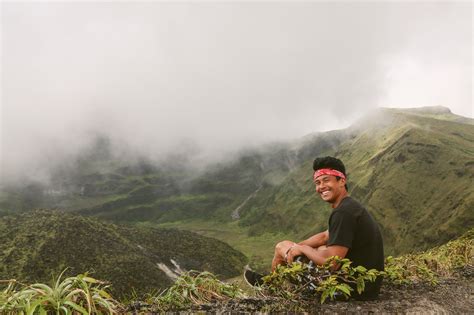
(40, 244)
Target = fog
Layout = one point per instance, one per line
(207, 78)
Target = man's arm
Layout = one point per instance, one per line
(318, 256)
(316, 240)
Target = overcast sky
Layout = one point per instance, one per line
(158, 75)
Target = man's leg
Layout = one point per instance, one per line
(282, 248)
(322, 247)
(280, 251)
(255, 279)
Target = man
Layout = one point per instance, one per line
(352, 232)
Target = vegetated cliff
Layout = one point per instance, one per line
(412, 169)
(36, 245)
(414, 173)
(438, 280)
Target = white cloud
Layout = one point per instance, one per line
(154, 74)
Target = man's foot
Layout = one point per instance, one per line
(253, 278)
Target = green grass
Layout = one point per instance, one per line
(287, 286)
(73, 295)
(409, 168)
(259, 249)
(430, 265)
(78, 202)
(40, 243)
(193, 288)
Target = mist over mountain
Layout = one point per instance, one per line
(141, 139)
(207, 79)
(412, 168)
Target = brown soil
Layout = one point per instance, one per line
(452, 295)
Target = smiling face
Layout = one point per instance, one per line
(330, 189)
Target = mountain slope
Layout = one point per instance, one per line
(413, 172)
(42, 243)
(412, 168)
(418, 183)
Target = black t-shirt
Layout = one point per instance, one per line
(351, 226)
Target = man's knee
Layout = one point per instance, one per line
(283, 246)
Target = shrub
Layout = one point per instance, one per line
(306, 280)
(428, 266)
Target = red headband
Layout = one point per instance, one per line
(328, 171)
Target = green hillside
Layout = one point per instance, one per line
(417, 180)
(41, 243)
(413, 172)
(412, 168)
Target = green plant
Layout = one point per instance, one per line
(80, 294)
(36, 244)
(193, 288)
(291, 283)
(306, 280)
(14, 300)
(428, 266)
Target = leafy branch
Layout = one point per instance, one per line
(308, 280)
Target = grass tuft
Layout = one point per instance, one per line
(193, 288)
(73, 295)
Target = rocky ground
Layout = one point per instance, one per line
(454, 295)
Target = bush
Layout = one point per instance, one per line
(306, 280)
(428, 266)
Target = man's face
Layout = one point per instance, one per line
(329, 188)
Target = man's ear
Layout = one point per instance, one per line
(342, 181)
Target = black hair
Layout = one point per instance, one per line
(332, 163)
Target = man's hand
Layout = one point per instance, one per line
(294, 251)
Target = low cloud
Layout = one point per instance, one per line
(211, 78)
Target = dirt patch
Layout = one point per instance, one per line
(451, 295)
